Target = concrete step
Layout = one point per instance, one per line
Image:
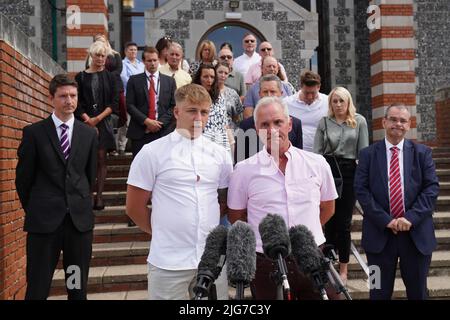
(107, 279)
(119, 159)
(118, 232)
(443, 203)
(442, 163)
(114, 198)
(442, 237)
(113, 214)
(116, 184)
(440, 266)
(443, 175)
(118, 171)
(120, 295)
(444, 188)
(439, 288)
(441, 221)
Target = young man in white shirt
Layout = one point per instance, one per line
(186, 177)
(309, 105)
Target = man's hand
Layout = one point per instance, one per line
(393, 226)
(92, 122)
(152, 125)
(403, 224)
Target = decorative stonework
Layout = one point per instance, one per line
(432, 26)
(291, 29)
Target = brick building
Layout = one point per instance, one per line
(399, 50)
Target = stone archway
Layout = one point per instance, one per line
(291, 29)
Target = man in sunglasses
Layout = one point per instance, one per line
(235, 79)
(249, 57)
(254, 72)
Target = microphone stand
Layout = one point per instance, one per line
(333, 275)
(283, 288)
(240, 286)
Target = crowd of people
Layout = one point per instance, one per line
(213, 142)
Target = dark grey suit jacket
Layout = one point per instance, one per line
(137, 104)
(48, 186)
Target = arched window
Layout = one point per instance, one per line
(231, 32)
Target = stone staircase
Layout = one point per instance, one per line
(119, 271)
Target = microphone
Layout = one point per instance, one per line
(211, 262)
(308, 256)
(241, 256)
(277, 246)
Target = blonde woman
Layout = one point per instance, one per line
(342, 133)
(98, 98)
(206, 53)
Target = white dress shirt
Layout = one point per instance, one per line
(183, 176)
(400, 159)
(309, 114)
(58, 123)
(243, 62)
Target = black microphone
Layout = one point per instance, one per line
(212, 261)
(241, 256)
(277, 246)
(309, 258)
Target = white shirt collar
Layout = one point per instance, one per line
(179, 137)
(156, 74)
(318, 99)
(390, 145)
(58, 122)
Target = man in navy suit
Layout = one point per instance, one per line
(248, 145)
(54, 179)
(144, 127)
(397, 187)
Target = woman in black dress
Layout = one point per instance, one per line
(98, 98)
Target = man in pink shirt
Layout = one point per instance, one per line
(284, 180)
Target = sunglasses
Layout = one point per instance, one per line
(249, 41)
(266, 49)
(226, 57)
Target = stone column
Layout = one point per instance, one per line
(87, 19)
(392, 54)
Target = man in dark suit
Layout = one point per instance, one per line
(54, 178)
(150, 102)
(248, 142)
(397, 187)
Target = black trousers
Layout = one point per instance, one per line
(337, 229)
(43, 251)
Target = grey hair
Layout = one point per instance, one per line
(271, 77)
(271, 100)
(177, 45)
(397, 105)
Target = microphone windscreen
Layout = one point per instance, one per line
(274, 236)
(305, 250)
(241, 253)
(216, 245)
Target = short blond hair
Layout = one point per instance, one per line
(192, 93)
(98, 47)
(344, 94)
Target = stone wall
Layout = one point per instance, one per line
(363, 96)
(443, 117)
(432, 27)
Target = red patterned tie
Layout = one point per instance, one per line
(152, 99)
(395, 185)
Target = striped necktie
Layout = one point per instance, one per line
(395, 185)
(65, 145)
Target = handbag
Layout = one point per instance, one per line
(334, 164)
